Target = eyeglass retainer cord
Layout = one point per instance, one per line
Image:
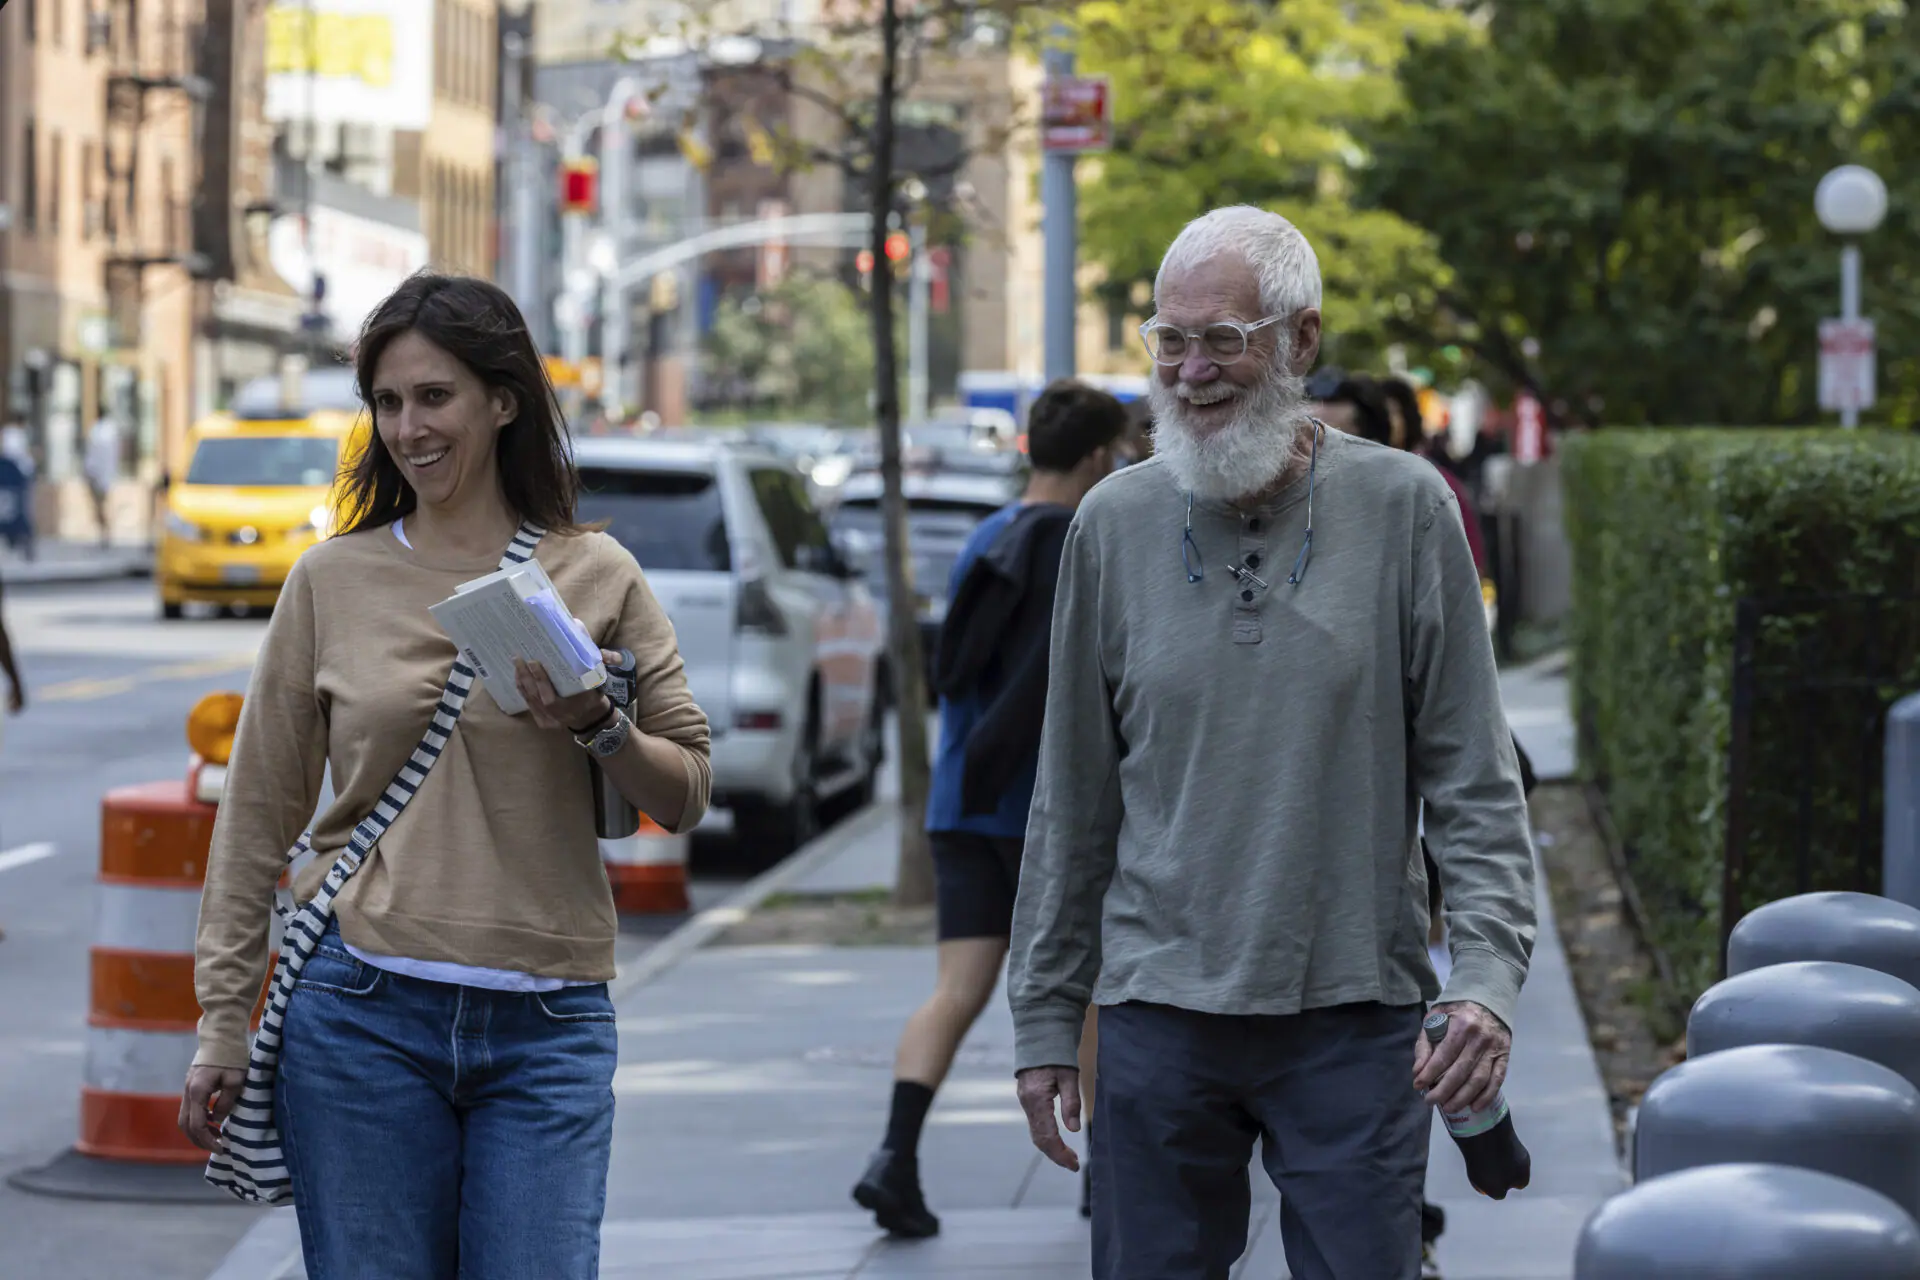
(1190, 551)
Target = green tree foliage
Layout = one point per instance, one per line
(1223, 102)
(1623, 192)
(803, 350)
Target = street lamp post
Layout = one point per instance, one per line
(918, 278)
(1851, 201)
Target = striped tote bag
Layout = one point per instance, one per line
(252, 1167)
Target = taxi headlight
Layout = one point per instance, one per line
(211, 725)
(178, 526)
(319, 523)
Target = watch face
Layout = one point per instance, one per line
(609, 739)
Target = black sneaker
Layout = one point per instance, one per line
(890, 1188)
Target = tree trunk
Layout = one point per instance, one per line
(915, 884)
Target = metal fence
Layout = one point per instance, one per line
(1813, 679)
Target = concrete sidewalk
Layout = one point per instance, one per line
(754, 1082)
(66, 563)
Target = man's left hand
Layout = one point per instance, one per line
(1465, 1070)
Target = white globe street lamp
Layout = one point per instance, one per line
(1851, 201)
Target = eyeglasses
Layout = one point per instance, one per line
(1223, 342)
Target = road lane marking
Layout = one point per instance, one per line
(27, 853)
(114, 686)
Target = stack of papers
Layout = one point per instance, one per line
(516, 614)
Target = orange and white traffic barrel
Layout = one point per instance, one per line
(142, 1015)
(140, 1023)
(648, 870)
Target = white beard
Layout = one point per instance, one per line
(1245, 456)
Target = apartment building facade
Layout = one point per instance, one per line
(99, 118)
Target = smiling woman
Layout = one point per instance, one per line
(444, 352)
(458, 924)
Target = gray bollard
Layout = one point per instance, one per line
(1900, 853)
(1851, 928)
(1748, 1222)
(1869, 1014)
(1788, 1104)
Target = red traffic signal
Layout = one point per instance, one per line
(898, 247)
(864, 261)
(579, 185)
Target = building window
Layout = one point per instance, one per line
(30, 172)
(53, 182)
(170, 208)
(89, 213)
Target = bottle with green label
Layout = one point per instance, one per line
(1497, 1161)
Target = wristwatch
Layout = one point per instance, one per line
(607, 736)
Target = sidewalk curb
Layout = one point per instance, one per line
(696, 933)
(27, 575)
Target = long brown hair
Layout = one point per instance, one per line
(479, 325)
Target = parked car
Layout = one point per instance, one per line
(942, 510)
(257, 491)
(784, 644)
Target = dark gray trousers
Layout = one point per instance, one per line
(1180, 1100)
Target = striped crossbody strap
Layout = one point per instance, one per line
(253, 1167)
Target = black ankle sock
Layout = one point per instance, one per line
(910, 1104)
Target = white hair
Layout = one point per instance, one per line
(1283, 262)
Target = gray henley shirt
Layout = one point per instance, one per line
(1228, 805)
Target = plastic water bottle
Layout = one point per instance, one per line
(1497, 1161)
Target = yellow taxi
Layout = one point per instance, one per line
(258, 490)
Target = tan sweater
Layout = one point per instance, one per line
(495, 862)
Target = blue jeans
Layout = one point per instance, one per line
(441, 1132)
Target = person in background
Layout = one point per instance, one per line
(991, 674)
(103, 468)
(1357, 406)
(16, 489)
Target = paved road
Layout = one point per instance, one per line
(109, 687)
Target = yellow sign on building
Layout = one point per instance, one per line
(348, 46)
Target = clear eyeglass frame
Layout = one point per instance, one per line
(1224, 341)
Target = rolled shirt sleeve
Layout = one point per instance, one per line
(1072, 829)
(1466, 771)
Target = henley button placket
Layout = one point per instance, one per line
(1246, 610)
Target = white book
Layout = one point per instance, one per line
(516, 614)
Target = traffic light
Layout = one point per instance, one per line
(898, 247)
(579, 185)
(863, 262)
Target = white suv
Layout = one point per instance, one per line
(784, 647)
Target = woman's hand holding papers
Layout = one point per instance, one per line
(549, 710)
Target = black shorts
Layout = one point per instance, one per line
(975, 878)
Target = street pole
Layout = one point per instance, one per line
(918, 273)
(1060, 229)
(520, 208)
(1850, 310)
(616, 162)
(571, 308)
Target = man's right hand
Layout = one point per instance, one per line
(210, 1095)
(1038, 1087)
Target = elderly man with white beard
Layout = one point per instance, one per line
(1269, 648)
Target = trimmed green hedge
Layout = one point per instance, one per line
(1670, 529)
